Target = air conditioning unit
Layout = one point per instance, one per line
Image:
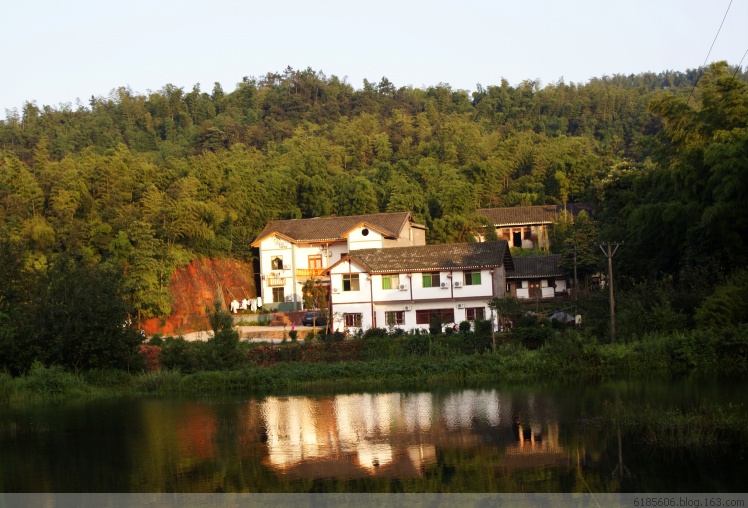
(460, 305)
(408, 307)
(445, 285)
(403, 287)
(458, 284)
(336, 290)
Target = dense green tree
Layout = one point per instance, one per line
(580, 248)
(314, 294)
(176, 173)
(687, 206)
(77, 318)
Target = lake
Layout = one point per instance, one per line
(499, 439)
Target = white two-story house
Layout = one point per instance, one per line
(292, 251)
(414, 287)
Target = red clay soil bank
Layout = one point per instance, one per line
(195, 287)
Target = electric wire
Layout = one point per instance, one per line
(741, 63)
(701, 70)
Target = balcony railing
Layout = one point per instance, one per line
(310, 272)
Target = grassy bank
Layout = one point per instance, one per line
(394, 362)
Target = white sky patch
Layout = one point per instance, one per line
(60, 52)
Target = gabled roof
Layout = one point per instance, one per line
(331, 229)
(424, 258)
(526, 215)
(531, 267)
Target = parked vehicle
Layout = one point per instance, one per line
(314, 317)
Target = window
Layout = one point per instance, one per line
(394, 317)
(516, 238)
(390, 281)
(276, 263)
(352, 319)
(431, 280)
(279, 295)
(475, 313)
(315, 261)
(426, 317)
(472, 278)
(350, 282)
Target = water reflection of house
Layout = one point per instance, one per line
(398, 434)
(537, 445)
(347, 436)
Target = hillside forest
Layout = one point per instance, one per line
(101, 201)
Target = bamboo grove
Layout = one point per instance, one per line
(136, 184)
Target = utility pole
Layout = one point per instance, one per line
(576, 282)
(609, 253)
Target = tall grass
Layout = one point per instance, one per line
(705, 425)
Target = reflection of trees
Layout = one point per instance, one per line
(464, 441)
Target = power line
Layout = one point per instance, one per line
(741, 63)
(701, 71)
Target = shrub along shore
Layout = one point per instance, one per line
(381, 361)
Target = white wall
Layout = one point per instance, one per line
(269, 248)
(396, 300)
(357, 240)
(339, 311)
(395, 294)
(484, 289)
(338, 296)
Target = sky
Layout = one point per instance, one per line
(59, 53)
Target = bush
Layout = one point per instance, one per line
(375, 332)
(7, 386)
(293, 334)
(50, 381)
(159, 381)
(108, 378)
(728, 306)
(483, 327)
(732, 350)
(156, 340)
(417, 345)
(177, 354)
(533, 337)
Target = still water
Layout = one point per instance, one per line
(530, 439)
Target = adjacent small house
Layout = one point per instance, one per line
(537, 278)
(528, 227)
(415, 287)
(292, 251)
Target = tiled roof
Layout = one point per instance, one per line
(535, 267)
(523, 215)
(450, 256)
(333, 228)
